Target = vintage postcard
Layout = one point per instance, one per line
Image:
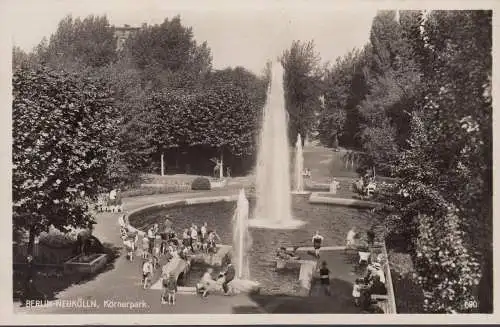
(242, 162)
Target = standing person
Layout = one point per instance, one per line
(317, 240)
(334, 186)
(324, 277)
(186, 238)
(356, 291)
(147, 271)
(229, 275)
(171, 288)
(28, 283)
(370, 235)
(151, 238)
(121, 221)
(203, 231)
(145, 247)
(350, 239)
(194, 237)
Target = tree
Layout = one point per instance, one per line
(344, 88)
(394, 84)
(168, 55)
(302, 85)
(211, 121)
(445, 170)
(88, 43)
(64, 129)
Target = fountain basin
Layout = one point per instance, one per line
(333, 222)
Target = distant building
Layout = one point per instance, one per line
(122, 34)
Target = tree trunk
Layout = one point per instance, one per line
(162, 165)
(31, 242)
(221, 170)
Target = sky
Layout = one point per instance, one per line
(239, 33)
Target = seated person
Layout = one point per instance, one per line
(206, 283)
(285, 254)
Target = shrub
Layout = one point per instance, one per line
(447, 272)
(156, 190)
(201, 183)
(56, 240)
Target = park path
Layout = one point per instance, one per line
(123, 282)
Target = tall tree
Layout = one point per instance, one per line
(168, 55)
(88, 43)
(302, 84)
(64, 130)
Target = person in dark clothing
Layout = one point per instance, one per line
(370, 236)
(324, 277)
(229, 276)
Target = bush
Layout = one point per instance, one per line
(56, 240)
(155, 190)
(201, 183)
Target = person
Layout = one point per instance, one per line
(356, 291)
(186, 238)
(129, 246)
(229, 275)
(370, 236)
(151, 238)
(147, 270)
(203, 231)
(334, 186)
(145, 247)
(324, 277)
(228, 171)
(194, 237)
(350, 239)
(170, 286)
(121, 221)
(317, 240)
(206, 283)
(164, 242)
(212, 245)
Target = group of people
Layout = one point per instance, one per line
(365, 185)
(372, 283)
(209, 284)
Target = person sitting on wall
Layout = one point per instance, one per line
(206, 284)
(229, 275)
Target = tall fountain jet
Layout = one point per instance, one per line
(241, 237)
(273, 207)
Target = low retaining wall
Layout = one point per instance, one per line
(177, 203)
(324, 198)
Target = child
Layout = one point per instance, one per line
(203, 231)
(317, 240)
(145, 247)
(356, 290)
(147, 270)
(171, 289)
(324, 277)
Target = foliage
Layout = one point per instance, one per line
(168, 56)
(443, 200)
(201, 183)
(447, 271)
(63, 131)
(344, 88)
(218, 118)
(302, 84)
(81, 43)
(166, 189)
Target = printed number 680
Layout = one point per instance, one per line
(470, 304)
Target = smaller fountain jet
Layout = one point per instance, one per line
(299, 167)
